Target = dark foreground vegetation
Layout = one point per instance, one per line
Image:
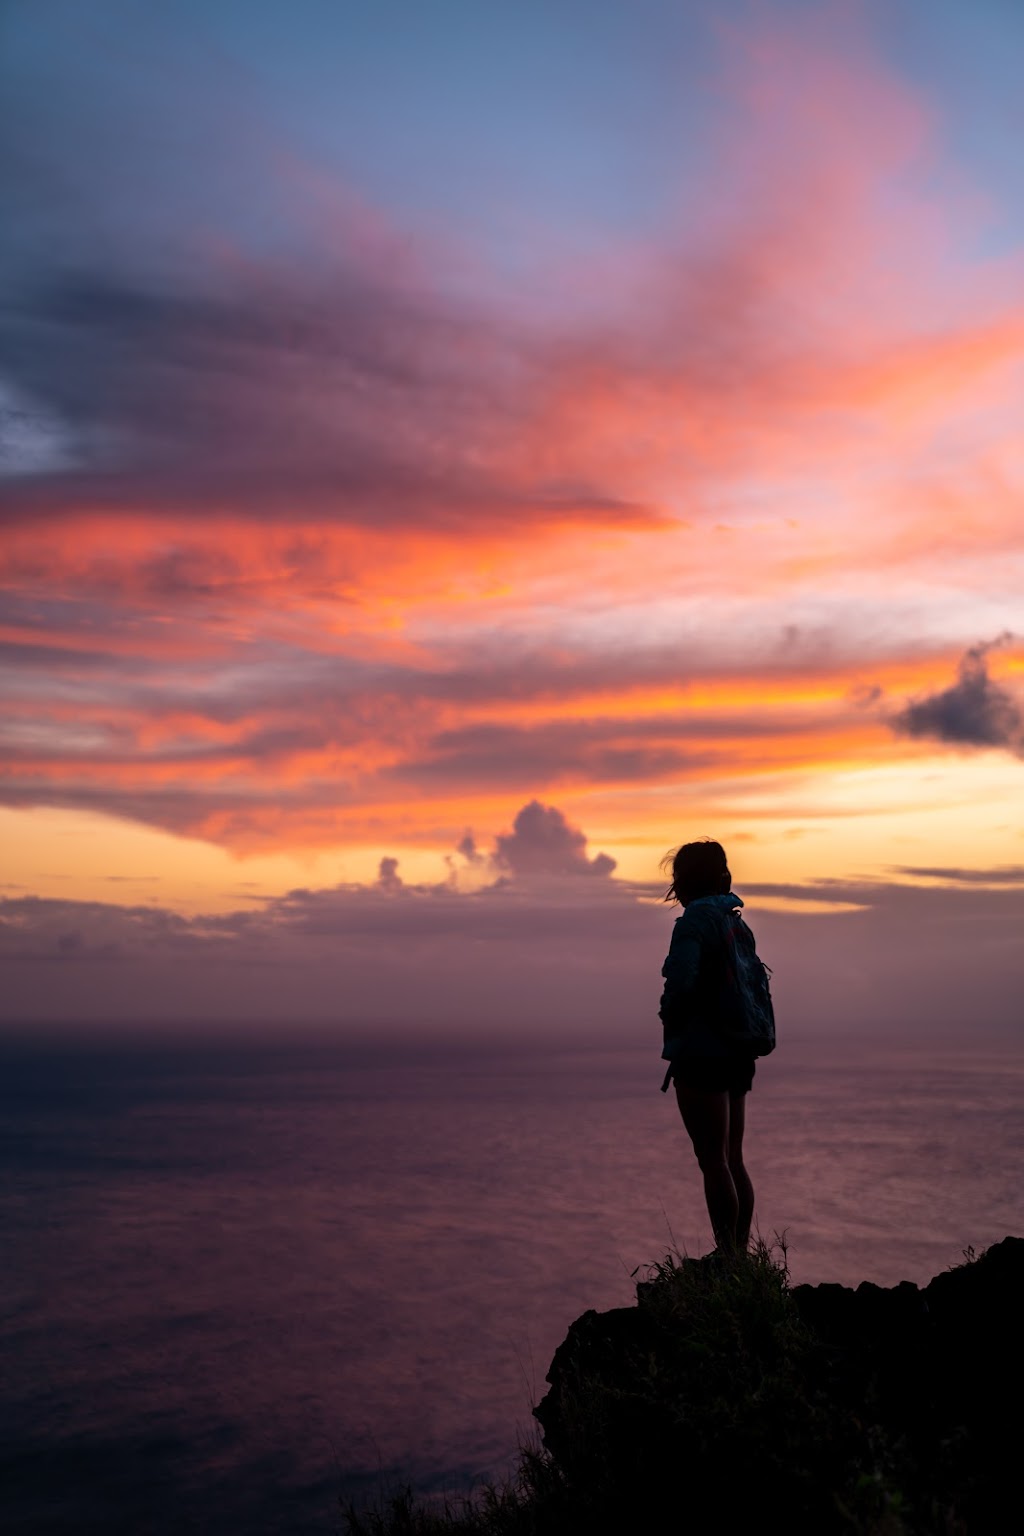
(727, 1400)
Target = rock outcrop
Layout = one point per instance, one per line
(725, 1396)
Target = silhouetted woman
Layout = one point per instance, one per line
(717, 1018)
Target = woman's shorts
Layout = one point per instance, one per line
(733, 1074)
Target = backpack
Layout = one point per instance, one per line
(748, 1017)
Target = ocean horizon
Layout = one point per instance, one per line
(245, 1281)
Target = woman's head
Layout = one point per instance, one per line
(697, 869)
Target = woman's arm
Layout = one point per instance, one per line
(680, 972)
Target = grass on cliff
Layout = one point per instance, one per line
(711, 1409)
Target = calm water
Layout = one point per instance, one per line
(238, 1284)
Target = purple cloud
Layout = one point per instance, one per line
(360, 399)
(975, 711)
(543, 843)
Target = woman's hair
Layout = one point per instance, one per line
(697, 869)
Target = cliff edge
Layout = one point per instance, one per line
(726, 1397)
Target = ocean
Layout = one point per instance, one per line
(243, 1282)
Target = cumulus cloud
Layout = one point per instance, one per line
(543, 843)
(388, 878)
(974, 711)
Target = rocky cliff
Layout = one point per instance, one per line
(726, 1397)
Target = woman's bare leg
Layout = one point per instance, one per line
(740, 1176)
(706, 1118)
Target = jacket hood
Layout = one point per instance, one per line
(727, 903)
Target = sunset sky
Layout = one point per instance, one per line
(445, 444)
